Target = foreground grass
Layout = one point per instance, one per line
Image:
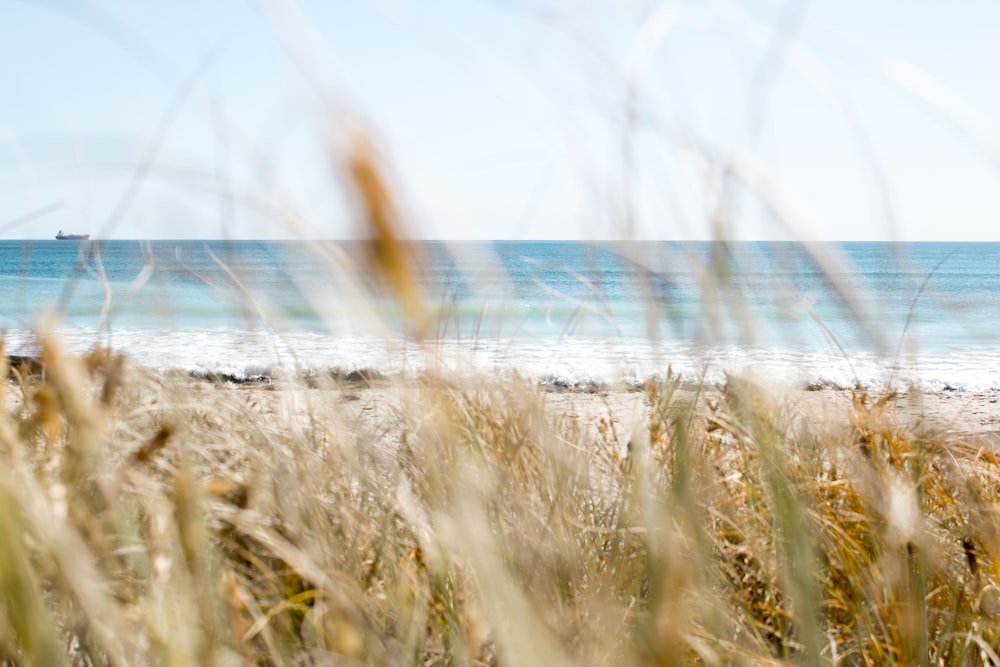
(155, 520)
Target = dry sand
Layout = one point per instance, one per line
(626, 412)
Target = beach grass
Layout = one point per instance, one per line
(159, 518)
(150, 518)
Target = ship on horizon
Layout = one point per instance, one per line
(60, 236)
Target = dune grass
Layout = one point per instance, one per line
(157, 519)
(160, 519)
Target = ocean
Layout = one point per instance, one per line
(568, 314)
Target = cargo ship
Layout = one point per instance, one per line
(60, 236)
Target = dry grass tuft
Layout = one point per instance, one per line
(151, 519)
(393, 258)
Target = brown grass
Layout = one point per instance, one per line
(157, 519)
(150, 519)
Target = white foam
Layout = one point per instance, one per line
(566, 362)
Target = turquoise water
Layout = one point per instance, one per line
(563, 312)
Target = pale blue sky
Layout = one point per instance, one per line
(856, 120)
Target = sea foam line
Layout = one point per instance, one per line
(559, 363)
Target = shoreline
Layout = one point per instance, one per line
(956, 411)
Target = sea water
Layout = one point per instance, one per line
(564, 313)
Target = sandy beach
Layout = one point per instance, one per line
(378, 408)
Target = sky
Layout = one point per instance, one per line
(826, 120)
